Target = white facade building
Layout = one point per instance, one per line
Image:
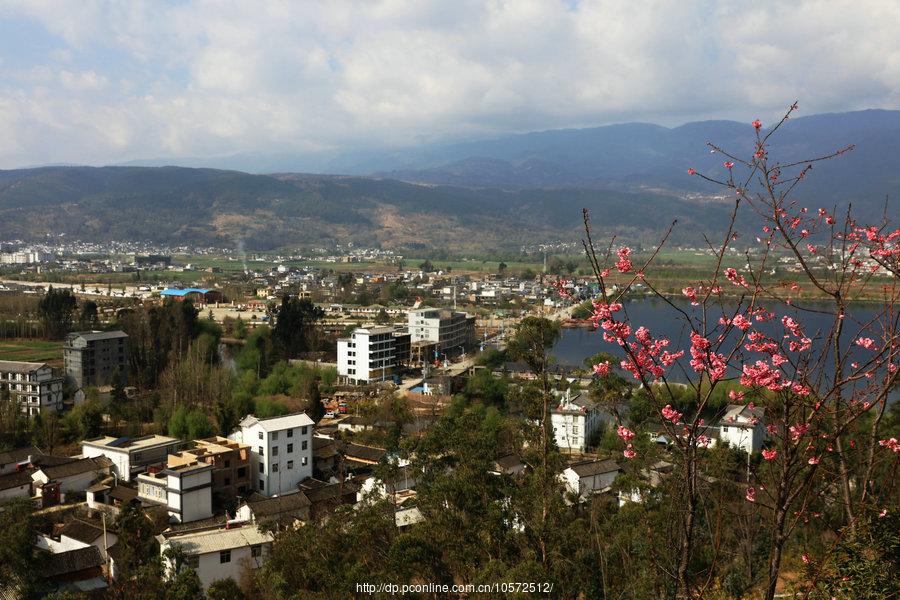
(589, 477)
(185, 490)
(280, 451)
(369, 354)
(130, 455)
(32, 385)
(218, 553)
(575, 420)
(743, 427)
(453, 332)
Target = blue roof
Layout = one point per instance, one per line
(184, 292)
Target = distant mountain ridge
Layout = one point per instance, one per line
(497, 193)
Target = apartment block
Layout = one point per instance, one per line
(452, 332)
(93, 358)
(368, 355)
(32, 385)
(230, 462)
(185, 490)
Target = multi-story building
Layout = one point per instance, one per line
(32, 385)
(130, 456)
(575, 422)
(185, 490)
(369, 354)
(743, 427)
(94, 358)
(280, 451)
(230, 461)
(453, 332)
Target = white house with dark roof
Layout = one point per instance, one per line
(585, 478)
(743, 427)
(280, 451)
(75, 476)
(217, 553)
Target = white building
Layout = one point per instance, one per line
(453, 332)
(575, 421)
(589, 477)
(32, 385)
(743, 427)
(369, 354)
(185, 490)
(130, 456)
(280, 451)
(72, 477)
(217, 553)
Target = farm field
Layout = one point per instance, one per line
(32, 351)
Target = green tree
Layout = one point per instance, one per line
(225, 589)
(185, 585)
(294, 332)
(55, 311)
(89, 318)
(20, 559)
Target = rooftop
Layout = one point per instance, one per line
(81, 531)
(76, 467)
(278, 423)
(216, 540)
(130, 444)
(594, 467)
(97, 335)
(15, 366)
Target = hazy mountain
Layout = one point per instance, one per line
(178, 205)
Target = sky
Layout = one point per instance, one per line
(94, 82)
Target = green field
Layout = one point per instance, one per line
(32, 351)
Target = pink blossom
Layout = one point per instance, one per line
(798, 430)
(624, 433)
(813, 460)
(805, 558)
(756, 124)
(769, 454)
(867, 343)
(741, 322)
(751, 494)
(691, 294)
(601, 369)
(728, 164)
(671, 414)
(629, 452)
(692, 171)
(890, 444)
(623, 264)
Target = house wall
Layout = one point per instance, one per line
(285, 479)
(210, 568)
(23, 491)
(121, 466)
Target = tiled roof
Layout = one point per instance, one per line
(76, 467)
(18, 455)
(278, 423)
(367, 454)
(594, 467)
(216, 540)
(268, 507)
(72, 561)
(14, 480)
(81, 531)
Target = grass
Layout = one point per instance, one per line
(32, 351)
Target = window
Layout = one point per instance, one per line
(290, 465)
(274, 436)
(274, 467)
(225, 556)
(724, 429)
(262, 467)
(261, 451)
(262, 485)
(290, 432)
(303, 461)
(242, 472)
(228, 481)
(303, 430)
(274, 450)
(305, 445)
(256, 550)
(227, 463)
(260, 435)
(290, 448)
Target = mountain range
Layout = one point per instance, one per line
(498, 193)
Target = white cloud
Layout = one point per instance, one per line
(146, 79)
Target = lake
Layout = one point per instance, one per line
(577, 344)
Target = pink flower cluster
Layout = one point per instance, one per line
(704, 359)
(624, 263)
(890, 444)
(601, 369)
(867, 343)
(644, 350)
(751, 494)
(671, 414)
(799, 430)
(769, 454)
